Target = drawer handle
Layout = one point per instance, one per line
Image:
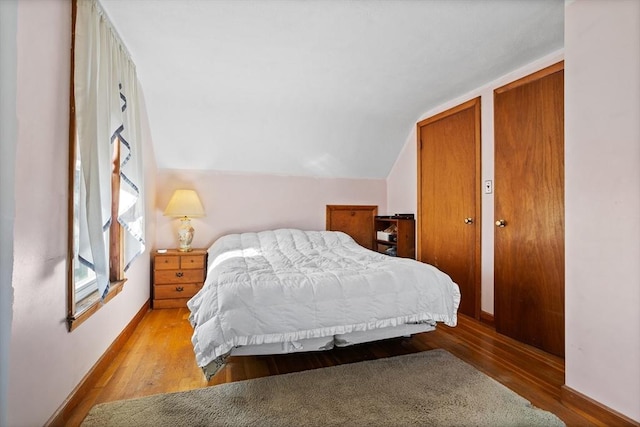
(179, 274)
(179, 288)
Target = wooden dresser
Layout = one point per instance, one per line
(177, 276)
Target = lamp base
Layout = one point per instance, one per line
(185, 235)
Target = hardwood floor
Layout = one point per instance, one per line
(158, 358)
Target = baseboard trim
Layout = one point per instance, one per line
(61, 416)
(487, 319)
(600, 414)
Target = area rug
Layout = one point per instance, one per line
(432, 388)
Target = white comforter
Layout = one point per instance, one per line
(287, 285)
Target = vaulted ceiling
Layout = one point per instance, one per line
(316, 87)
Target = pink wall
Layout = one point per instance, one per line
(45, 361)
(602, 171)
(253, 202)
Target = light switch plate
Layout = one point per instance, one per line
(488, 186)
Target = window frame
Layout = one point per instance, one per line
(79, 310)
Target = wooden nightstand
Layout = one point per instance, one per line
(177, 276)
(404, 240)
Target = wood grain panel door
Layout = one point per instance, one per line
(355, 220)
(529, 209)
(449, 198)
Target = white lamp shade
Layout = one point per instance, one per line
(184, 203)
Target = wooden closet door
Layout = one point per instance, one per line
(529, 209)
(448, 198)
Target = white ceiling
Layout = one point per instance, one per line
(316, 87)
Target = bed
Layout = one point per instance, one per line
(289, 290)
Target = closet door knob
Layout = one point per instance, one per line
(501, 223)
(468, 221)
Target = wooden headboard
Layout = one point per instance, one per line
(355, 220)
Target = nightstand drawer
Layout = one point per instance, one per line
(192, 261)
(176, 291)
(167, 262)
(177, 276)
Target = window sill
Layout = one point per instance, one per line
(91, 304)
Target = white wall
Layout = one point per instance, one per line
(253, 202)
(8, 135)
(45, 361)
(402, 182)
(602, 172)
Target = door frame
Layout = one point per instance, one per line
(474, 104)
(536, 75)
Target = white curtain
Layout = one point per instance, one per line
(106, 108)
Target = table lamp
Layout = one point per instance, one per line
(185, 204)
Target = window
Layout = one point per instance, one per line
(106, 207)
(84, 284)
(84, 278)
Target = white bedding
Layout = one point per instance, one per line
(338, 340)
(288, 285)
